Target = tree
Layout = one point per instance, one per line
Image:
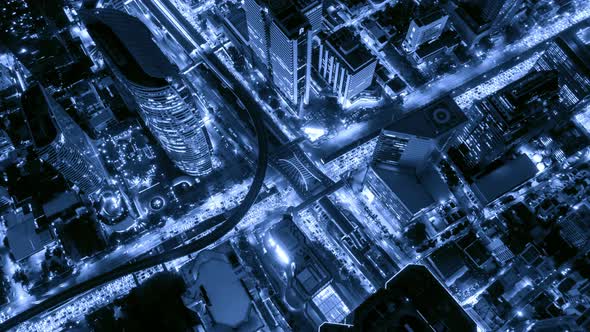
(416, 233)
(156, 305)
(21, 277)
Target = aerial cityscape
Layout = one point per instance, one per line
(295, 165)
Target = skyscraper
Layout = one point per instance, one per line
(500, 121)
(425, 28)
(281, 36)
(290, 53)
(313, 10)
(167, 105)
(569, 56)
(499, 12)
(60, 142)
(346, 64)
(411, 140)
(258, 30)
(235, 27)
(401, 178)
(475, 19)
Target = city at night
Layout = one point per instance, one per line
(295, 165)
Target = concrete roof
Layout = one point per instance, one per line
(229, 303)
(24, 240)
(129, 43)
(504, 178)
(430, 121)
(406, 186)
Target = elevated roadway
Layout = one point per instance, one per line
(235, 215)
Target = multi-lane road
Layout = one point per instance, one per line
(217, 233)
(216, 230)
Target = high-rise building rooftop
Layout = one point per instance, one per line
(129, 44)
(349, 50)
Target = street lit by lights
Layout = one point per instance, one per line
(186, 142)
(314, 133)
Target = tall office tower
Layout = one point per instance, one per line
(570, 57)
(258, 30)
(235, 27)
(60, 142)
(345, 64)
(167, 105)
(475, 19)
(494, 10)
(425, 28)
(281, 36)
(313, 10)
(401, 179)
(259, 17)
(517, 112)
(290, 53)
(410, 141)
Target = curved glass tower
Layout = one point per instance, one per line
(167, 106)
(60, 142)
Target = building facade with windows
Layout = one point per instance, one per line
(346, 65)
(166, 104)
(60, 142)
(281, 34)
(424, 29)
